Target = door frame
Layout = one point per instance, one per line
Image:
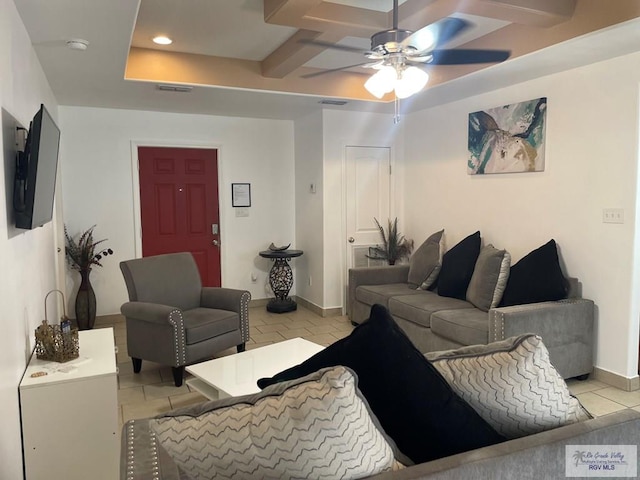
(364, 142)
(135, 187)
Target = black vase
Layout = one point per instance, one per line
(85, 303)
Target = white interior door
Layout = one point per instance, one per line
(368, 174)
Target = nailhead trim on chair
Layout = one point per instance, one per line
(244, 316)
(178, 337)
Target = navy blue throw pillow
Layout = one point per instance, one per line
(457, 267)
(536, 277)
(413, 402)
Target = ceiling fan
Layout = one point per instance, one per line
(399, 56)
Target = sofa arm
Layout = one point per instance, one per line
(374, 276)
(566, 328)
(229, 299)
(141, 455)
(148, 312)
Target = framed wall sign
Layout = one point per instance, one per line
(241, 194)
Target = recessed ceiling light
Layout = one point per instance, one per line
(162, 40)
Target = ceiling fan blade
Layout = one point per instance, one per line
(332, 70)
(436, 34)
(466, 56)
(335, 46)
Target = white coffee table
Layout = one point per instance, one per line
(238, 374)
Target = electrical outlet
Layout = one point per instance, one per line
(613, 215)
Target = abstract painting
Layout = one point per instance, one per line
(508, 139)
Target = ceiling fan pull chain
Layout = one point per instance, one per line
(396, 117)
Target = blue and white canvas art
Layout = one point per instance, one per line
(508, 139)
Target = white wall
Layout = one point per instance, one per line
(591, 164)
(309, 208)
(98, 187)
(26, 260)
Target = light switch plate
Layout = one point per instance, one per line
(613, 215)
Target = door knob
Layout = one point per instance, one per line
(215, 242)
(351, 239)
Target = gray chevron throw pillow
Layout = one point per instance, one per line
(511, 384)
(317, 427)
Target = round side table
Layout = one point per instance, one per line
(281, 280)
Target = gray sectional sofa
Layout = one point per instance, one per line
(435, 322)
(543, 455)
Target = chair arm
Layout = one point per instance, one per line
(374, 276)
(566, 328)
(229, 299)
(148, 312)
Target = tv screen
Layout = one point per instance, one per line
(35, 183)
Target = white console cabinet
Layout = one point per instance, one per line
(70, 419)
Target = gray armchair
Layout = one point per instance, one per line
(173, 320)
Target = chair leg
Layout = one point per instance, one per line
(137, 364)
(178, 373)
(241, 347)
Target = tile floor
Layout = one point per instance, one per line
(152, 391)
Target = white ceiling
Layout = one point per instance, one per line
(236, 29)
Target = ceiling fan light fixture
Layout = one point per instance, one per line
(410, 82)
(405, 81)
(382, 81)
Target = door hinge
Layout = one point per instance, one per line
(389, 169)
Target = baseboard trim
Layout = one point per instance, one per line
(623, 383)
(321, 312)
(259, 302)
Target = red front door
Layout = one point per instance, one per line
(179, 205)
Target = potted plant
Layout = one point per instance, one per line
(394, 246)
(81, 255)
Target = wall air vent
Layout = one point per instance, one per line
(333, 102)
(174, 88)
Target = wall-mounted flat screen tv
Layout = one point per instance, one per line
(35, 179)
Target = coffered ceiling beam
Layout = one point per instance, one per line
(292, 54)
(536, 13)
(330, 22)
(149, 65)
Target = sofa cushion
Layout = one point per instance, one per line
(319, 426)
(511, 384)
(457, 267)
(204, 323)
(469, 326)
(419, 308)
(489, 278)
(426, 261)
(372, 294)
(414, 403)
(537, 277)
